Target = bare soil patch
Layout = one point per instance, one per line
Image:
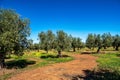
(60, 71)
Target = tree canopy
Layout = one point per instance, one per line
(46, 40)
(14, 31)
(105, 40)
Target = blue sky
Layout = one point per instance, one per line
(76, 17)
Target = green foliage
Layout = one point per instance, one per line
(30, 44)
(46, 40)
(107, 40)
(116, 42)
(98, 40)
(74, 43)
(80, 44)
(62, 41)
(36, 46)
(13, 31)
(90, 41)
(94, 41)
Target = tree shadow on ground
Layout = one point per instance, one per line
(88, 52)
(18, 64)
(98, 75)
(52, 56)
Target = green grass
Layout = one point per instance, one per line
(109, 60)
(108, 66)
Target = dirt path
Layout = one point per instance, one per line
(60, 71)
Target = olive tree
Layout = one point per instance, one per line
(62, 41)
(90, 41)
(116, 42)
(98, 42)
(46, 40)
(79, 43)
(74, 43)
(107, 40)
(30, 44)
(14, 31)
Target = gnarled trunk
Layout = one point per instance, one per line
(59, 54)
(104, 47)
(98, 50)
(74, 49)
(116, 48)
(2, 61)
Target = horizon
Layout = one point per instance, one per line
(75, 17)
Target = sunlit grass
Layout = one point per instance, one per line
(109, 61)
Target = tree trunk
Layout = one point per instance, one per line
(98, 50)
(73, 49)
(116, 48)
(59, 54)
(2, 61)
(104, 47)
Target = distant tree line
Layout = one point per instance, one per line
(62, 41)
(105, 40)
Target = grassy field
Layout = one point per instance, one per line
(108, 67)
(109, 61)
